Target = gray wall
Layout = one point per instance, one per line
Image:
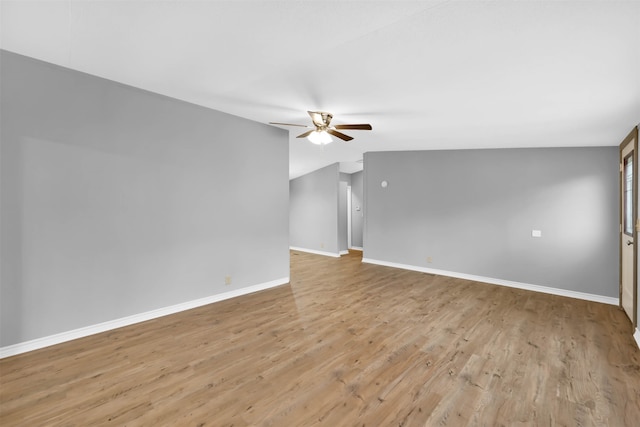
(472, 211)
(117, 201)
(357, 216)
(313, 210)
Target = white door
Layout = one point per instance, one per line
(627, 227)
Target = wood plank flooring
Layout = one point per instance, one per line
(344, 344)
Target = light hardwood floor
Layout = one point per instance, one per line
(345, 344)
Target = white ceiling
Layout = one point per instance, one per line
(426, 74)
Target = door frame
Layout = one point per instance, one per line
(349, 217)
(633, 135)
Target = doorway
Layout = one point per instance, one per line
(628, 225)
(349, 217)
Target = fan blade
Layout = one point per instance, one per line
(304, 135)
(288, 124)
(355, 127)
(340, 135)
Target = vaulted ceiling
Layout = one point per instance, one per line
(426, 74)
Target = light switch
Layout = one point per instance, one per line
(536, 233)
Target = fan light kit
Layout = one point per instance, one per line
(321, 135)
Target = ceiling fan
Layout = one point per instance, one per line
(323, 129)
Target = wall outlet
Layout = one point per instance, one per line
(429, 259)
(322, 245)
(227, 280)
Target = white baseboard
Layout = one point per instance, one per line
(313, 251)
(356, 248)
(501, 282)
(38, 343)
(344, 252)
(636, 336)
